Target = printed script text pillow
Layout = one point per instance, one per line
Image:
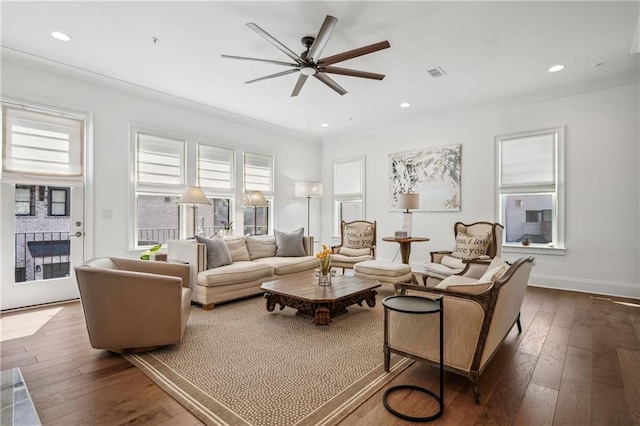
(217, 251)
(470, 247)
(357, 238)
(289, 243)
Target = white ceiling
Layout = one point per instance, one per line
(492, 52)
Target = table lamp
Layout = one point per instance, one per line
(307, 190)
(192, 197)
(254, 199)
(406, 202)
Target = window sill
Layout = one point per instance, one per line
(534, 249)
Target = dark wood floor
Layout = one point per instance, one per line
(576, 362)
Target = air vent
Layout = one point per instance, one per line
(436, 72)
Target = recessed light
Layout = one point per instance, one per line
(556, 68)
(405, 105)
(60, 36)
(324, 125)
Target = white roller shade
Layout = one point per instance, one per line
(215, 167)
(528, 160)
(348, 178)
(258, 172)
(160, 160)
(41, 143)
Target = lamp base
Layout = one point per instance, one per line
(407, 219)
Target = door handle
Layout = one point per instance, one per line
(77, 234)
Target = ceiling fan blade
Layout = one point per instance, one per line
(329, 82)
(322, 38)
(351, 73)
(269, 61)
(301, 80)
(354, 53)
(278, 74)
(275, 42)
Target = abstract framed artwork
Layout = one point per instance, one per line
(433, 173)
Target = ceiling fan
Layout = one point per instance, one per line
(309, 63)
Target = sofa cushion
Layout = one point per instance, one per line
(217, 251)
(377, 267)
(466, 285)
(339, 259)
(237, 272)
(260, 247)
(471, 247)
(351, 252)
(289, 243)
(237, 248)
(357, 238)
(290, 265)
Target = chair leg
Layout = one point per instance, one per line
(387, 358)
(519, 324)
(474, 378)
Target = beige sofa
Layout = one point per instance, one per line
(133, 305)
(254, 262)
(478, 315)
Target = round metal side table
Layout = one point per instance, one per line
(418, 306)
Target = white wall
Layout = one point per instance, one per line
(602, 184)
(115, 111)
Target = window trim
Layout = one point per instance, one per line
(559, 244)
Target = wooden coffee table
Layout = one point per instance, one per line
(302, 292)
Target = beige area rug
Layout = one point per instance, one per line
(241, 365)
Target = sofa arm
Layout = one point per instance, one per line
(419, 335)
(308, 242)
(178, 270)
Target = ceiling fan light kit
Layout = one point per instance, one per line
(309, 63)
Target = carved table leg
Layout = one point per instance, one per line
(322, 316)
(271, 303)
(370, 298)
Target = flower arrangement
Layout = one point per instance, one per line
(227, 225)
(325, 259)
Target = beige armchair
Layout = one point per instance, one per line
(446, 263)
(357, 244)
(134, 305)
(477, 318)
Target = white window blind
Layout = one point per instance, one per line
(41, 143)
(348, 178)
(528, 160)
(215, 167)
(160, 160)
(258, 172)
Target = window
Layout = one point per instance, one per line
(348, 191)
(258, 176)
(160, 171)
(25, 204)
(530, 181)
(55, 270)
(214, 217)
(58, 202)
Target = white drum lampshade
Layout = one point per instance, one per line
(409, 201)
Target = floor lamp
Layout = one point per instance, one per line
(406, 202)
(307, 190)
(191, 197)
(254, 199)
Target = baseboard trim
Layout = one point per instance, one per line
(584, 285)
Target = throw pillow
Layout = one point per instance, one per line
(260, 247)
(289, 244)
(357, 238)
(452, 262)
(496, 269)
(470, 246)
(217, 251)
(351, 252)
(237, 248)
